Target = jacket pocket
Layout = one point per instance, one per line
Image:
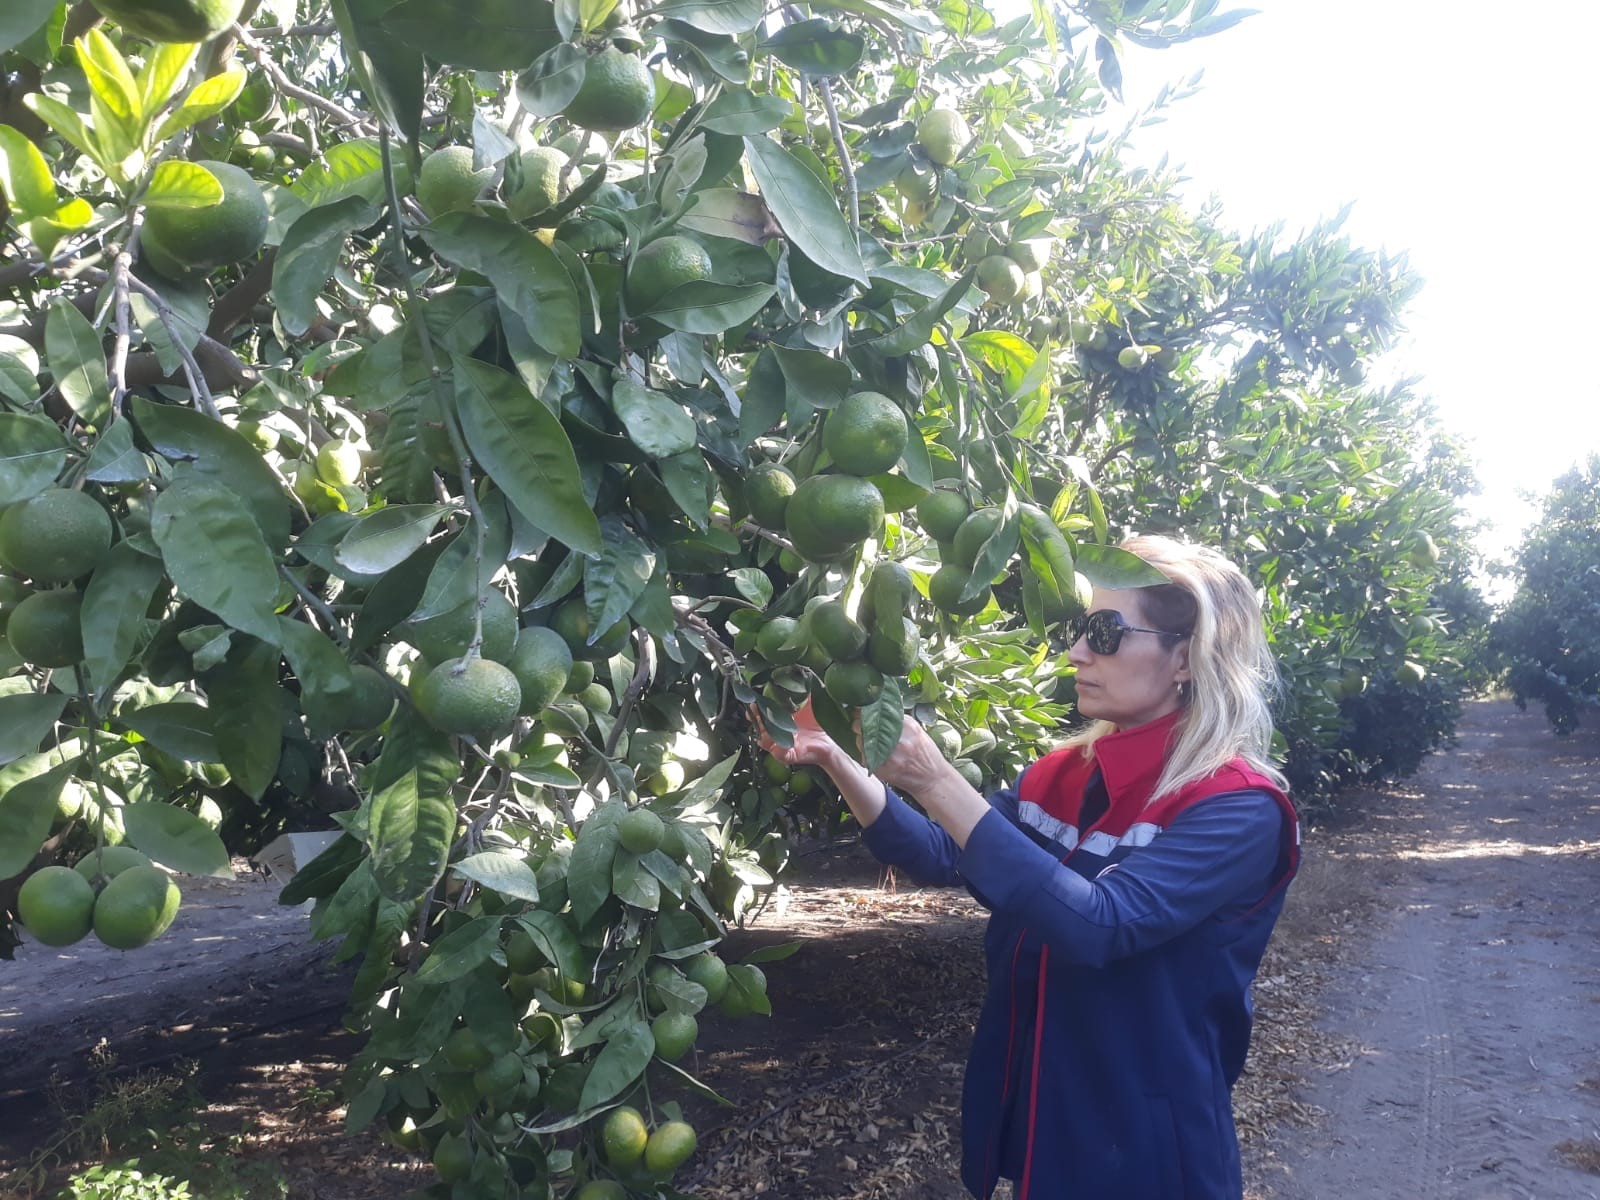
(1165, 1165)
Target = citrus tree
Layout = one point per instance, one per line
(1544, 639)
(447, 421)
(1216, 388)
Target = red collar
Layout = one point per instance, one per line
(1130, 760)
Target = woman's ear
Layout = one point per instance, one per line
(1181, 674)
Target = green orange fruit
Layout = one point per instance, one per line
(56, 905)
(473, 697)
(623, 1137)
(198, 239)
(45, 629)
(866, 434)
(135, 908)
(172, 20)
(941, 513)
(54, 537)
(618, 92)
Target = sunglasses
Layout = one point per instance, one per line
(1104, 628)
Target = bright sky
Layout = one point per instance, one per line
(1466, 140)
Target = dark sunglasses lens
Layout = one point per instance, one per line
(1104, 632)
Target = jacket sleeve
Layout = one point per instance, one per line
(1220, 852)
(905, 838)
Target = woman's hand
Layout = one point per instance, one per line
(810, 745)
(915, 764)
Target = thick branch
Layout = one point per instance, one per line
(235, 305)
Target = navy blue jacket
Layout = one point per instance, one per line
(1119, 959)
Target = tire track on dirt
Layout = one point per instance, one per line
(1475, 1003)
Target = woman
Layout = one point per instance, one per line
(1133, 877)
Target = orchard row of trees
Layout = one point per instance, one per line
(1546, 638)
(444, 421)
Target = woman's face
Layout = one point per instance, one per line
(1141, 681)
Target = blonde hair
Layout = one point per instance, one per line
(1233, 681)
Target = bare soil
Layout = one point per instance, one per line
(1447, 926)
(1469, 1009)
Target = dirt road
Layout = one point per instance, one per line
(1472, 1011)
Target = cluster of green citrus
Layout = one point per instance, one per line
(961, 534)
(638, 1155)
(55, 538)
(116, 891)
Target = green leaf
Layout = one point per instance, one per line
(745, 981)
(308, 256)
(774, 953)
(215, 553)
(246, 706)
(182, 729)
(461, 951)
(814, 47)
(454, 578)
(176, 838)
(221, 453)
(326, 684)
(115, 459)
(25, 717)
(204, 101)
(754, 584)
(385, 539)
(64, 121)
(524, 449)
(323, 875)
(190, 311)
(72, 216)
(182, 185)
(709, 308)
(688, 481)
(391, 73)
(556, 941)
(589, 869)
(25, 176)
(111, 82)
(715, 16)
(739, 112)
(413, 818)
(881, 13)
(727, 213)
(20, 20)
(505, 872)
(163, 70)
(553, 79)
(617, 576)
(77, 361)
(19, 367)
(996, 551)
(482, 35)
(882, 722)
(114, 605)
(919, 327)
(655, 422)
(27, 810)
(634, 885)
(353, 168)
(805, 208)
(624, 1059)
(1113, 568)
(528, 278)
(32, 453)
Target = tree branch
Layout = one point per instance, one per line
(289, 87)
